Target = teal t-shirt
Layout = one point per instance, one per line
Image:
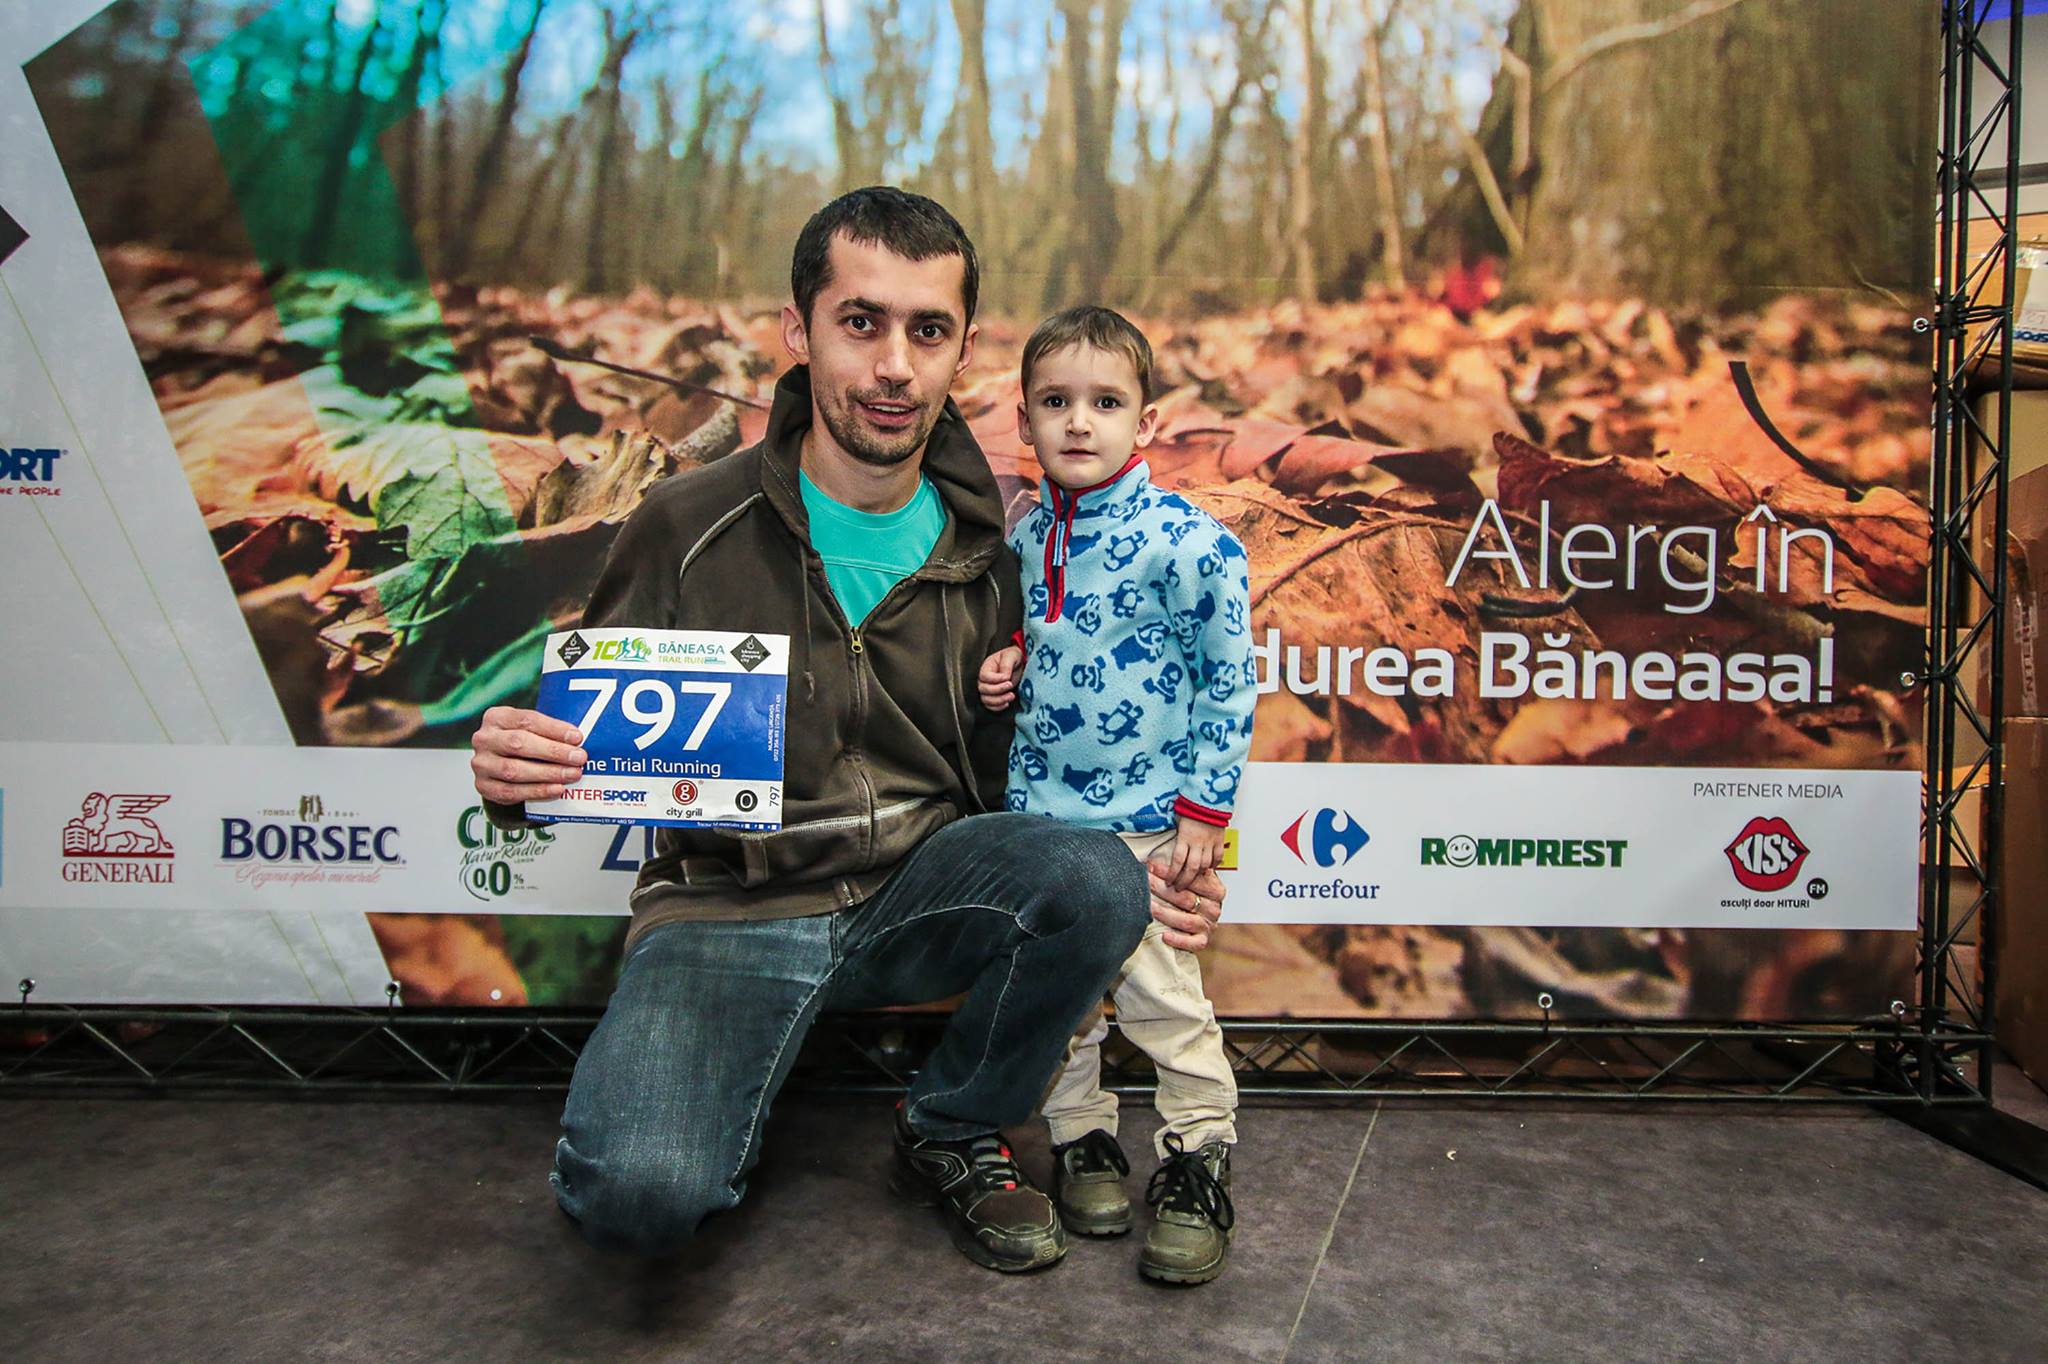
(867, 553)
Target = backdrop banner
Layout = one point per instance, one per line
(1568, 404)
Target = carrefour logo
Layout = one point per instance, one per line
(1334, 837)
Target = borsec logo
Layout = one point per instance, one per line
(573, 648)
(1766, 855)
(1330, 843)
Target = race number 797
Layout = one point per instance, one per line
(654, 722)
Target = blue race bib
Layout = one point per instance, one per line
(682, 727)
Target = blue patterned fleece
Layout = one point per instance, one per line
(1135, 702)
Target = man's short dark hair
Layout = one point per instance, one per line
(912, 226)
(1089, 325)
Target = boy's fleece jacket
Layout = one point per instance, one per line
(1135, 703)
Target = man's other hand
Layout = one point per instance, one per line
(1187, 914)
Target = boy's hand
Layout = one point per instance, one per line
(1197, 848)
(998, 677)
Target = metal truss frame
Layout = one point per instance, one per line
(499, 1051)
(1928, 1056)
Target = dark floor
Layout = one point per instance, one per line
(181, 1230)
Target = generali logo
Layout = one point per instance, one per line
(114, 839)
(1766, 855)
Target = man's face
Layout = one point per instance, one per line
(884, 341)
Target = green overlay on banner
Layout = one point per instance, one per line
(298, 102)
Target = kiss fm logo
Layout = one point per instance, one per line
(1334, 837)
(1766, 855)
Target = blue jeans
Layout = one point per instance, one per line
(1027, 917)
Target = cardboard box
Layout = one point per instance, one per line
(2030, 300)
(2026, 556)
(2021, 925)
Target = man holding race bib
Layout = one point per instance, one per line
(865, 527)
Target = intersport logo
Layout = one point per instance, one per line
(1333, 837)
(1766, 855)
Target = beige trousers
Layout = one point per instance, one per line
(1162, 1010)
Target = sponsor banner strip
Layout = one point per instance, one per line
(198, 827)
(1627, 847)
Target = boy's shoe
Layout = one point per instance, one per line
(1190, 1196)
(1087, 1185)
(996, 1218)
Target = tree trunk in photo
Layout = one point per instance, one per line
(693, 172)
(339, 152)
(618, 45)
(426, 36)
(1093, 233)
(730, 206)
(491, 161)
(1393, 265)
(1308, 131)
(1721, 152)
(517, 250)
(133, 215)
(1250, 66)
(970, 19)
(845, 137)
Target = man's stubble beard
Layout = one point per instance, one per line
(857, 441)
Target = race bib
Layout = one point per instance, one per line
(682, 727)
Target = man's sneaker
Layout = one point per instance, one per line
(1087, 1185)
(996, 1218)
(1190, 1197)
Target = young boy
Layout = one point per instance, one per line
(1133, 675)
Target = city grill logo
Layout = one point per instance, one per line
(113, 839)
(1462, 850)
(1334, 837)
(1766, 855)
(572, 650)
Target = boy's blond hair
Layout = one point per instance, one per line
(1088, 325)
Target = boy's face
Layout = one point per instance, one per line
(885, 340)
(1084, 414)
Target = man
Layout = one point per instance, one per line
(867, 527)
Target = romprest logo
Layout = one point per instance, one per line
(1464, 850)
(1766, 855)
(1333, 837)
(114, 839)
